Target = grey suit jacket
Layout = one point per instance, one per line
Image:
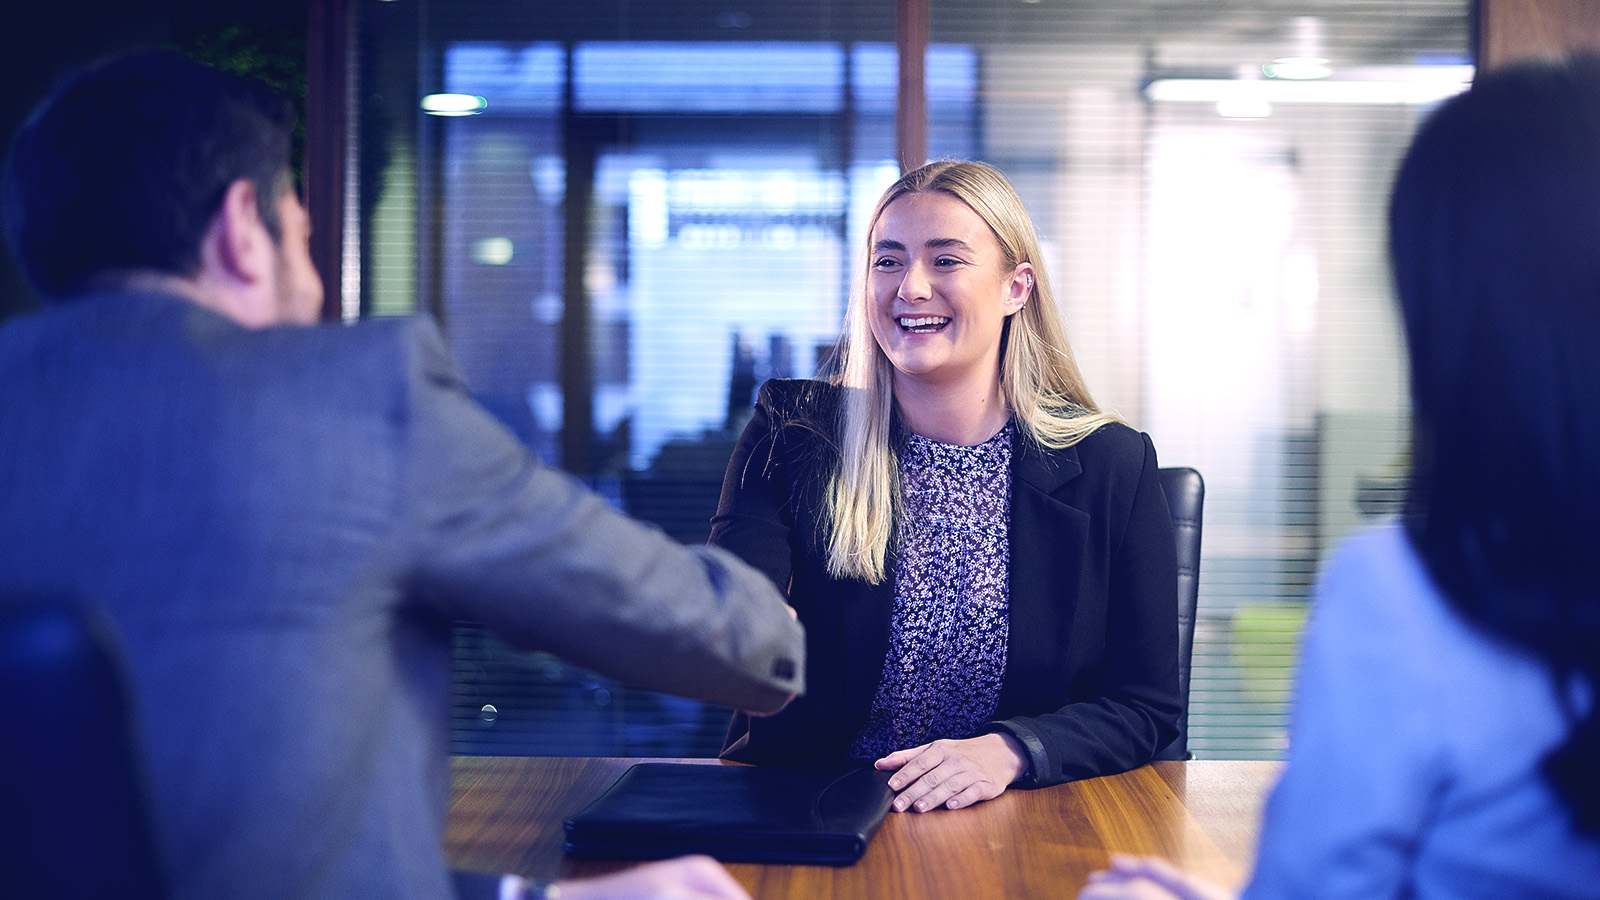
(282, 525)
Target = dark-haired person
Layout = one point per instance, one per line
(983, 560)
(282, 521)
(1445, 740)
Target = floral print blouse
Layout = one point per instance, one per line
(947, 646)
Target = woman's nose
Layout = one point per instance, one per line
(914, 284)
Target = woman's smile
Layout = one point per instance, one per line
(922, 324)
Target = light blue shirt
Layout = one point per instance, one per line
(1415, 750)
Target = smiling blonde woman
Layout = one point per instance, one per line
(983, 560)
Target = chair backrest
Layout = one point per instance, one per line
(1186, 494)
(76, 819)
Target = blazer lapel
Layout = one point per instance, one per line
(867, 612)
(864, 611)
(1047, 539)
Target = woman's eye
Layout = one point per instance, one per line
(947, 261)
(885, 262)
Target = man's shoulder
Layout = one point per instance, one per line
(359, 362)
(374, 350)
(151, 317)
(407, 334)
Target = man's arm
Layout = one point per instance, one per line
(504, 540)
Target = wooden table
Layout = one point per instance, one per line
(506, 815)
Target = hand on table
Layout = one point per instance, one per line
(954, 773)
(684, 878)
(1148, 878)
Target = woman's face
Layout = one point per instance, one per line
(939, 291)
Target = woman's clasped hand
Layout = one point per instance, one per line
(954, 774)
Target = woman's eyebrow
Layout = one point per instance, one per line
(931, 243)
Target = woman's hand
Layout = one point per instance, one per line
(954, 773)
(1148, 878)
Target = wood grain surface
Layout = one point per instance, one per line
(506, 814)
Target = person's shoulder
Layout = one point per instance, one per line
(408, 342)
(1375, 580)
(1379, 553)
(407, 333)
(368, 364)
(1383, 544)
(799, 391)
(1114, 444)
(1377, 608)
(793, 399)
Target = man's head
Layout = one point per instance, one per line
(152, 168)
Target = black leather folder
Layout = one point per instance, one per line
(767, 814)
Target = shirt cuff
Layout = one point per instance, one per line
(1032, 748)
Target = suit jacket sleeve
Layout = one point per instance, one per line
(524, 549)
(1124, 707)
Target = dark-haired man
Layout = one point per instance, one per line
(282, 521)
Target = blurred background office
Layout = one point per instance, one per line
(628, 213)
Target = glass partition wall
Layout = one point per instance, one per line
(630, 214)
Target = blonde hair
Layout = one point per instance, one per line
(1039, 379)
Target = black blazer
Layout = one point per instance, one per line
(1091, 681)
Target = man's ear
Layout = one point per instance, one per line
(238, 248)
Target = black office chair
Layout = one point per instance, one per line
(74, 813)
(1186, 494)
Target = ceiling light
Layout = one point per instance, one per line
(453, 104)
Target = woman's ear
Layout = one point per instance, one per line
(1019, 288)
